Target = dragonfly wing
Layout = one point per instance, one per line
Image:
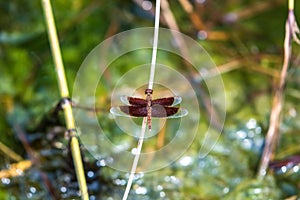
(177, 100)
(137, 101)
(129, 111)
(167, 101)
(134, 101)
(156, 111)
(135, 111)
(125, 100)
(163, 111)
(181, 113)
(117, 112)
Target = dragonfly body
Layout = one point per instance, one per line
(160, 108)
(149, 92)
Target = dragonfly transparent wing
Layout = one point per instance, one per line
(177, 100)
(181, 113)
(124, 99)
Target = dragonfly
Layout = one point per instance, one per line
(159, 108)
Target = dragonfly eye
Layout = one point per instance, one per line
(148, 91)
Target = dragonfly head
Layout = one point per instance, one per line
(148, 91)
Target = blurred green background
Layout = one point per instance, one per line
(243, 37)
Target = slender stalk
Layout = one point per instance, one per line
(150, 86)
(136, 159)
(273, 132)
(64, 93)
(291, 4)
(10, 153)
(155, 41)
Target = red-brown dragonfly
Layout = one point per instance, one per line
(160, 108)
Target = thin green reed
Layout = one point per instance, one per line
(64, 93)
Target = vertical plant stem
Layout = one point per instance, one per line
(273, 132)
(155, 41)
(291, 4)
(136, 159)
(150, 86)
(64, 93)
